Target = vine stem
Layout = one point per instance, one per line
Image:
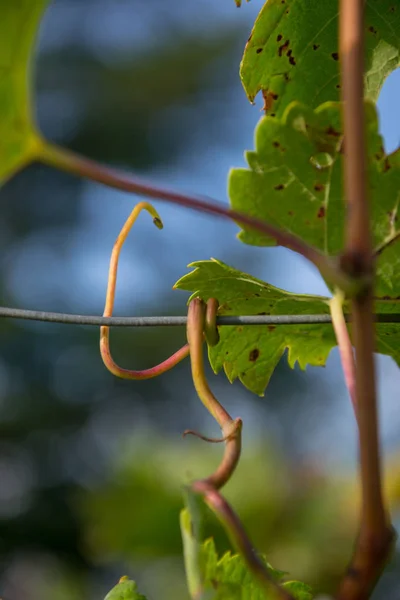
(75, 164)
(375, 535)
(200, 318)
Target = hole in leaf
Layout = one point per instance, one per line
(321, 160)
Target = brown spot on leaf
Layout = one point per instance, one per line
(276, 144)
(286, 76)
(332, 131)
(386, 165)
(271, 327)
(272, 114)
(292, 61)
(280, 36)
(258, 295)
(319, 187)
(282, 49)
(335, 56)
(254, 354)
(250, 36)
(262, 313)
(315, 46)
(259, 50)
(321, 212)
(372, 29)
(290, 212)
(338, 86)
(279, 187)
(269, 98)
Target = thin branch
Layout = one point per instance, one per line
(173, 321)
(345, 346)
(375, 536)
(83, 167)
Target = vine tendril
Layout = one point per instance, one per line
(105, 351)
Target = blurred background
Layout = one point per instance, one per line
(91, 467)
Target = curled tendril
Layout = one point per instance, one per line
(201, 321)
(231, 429)
(108, 309)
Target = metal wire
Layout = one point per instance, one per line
(51, 317)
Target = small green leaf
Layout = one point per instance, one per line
(292, 52)
(251, 353)
(19, 22)
(229, 579)
(298, 590)
(126, 589)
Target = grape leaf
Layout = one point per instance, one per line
(19, 21)
(292, 52)
(251, 353)
(295, 181)
(126, 589)
(298, 590)
(230, 579)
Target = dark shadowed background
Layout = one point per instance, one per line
(91, 467)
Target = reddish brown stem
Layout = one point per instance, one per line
(375, 537)
(240, 540)
(84, 167)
